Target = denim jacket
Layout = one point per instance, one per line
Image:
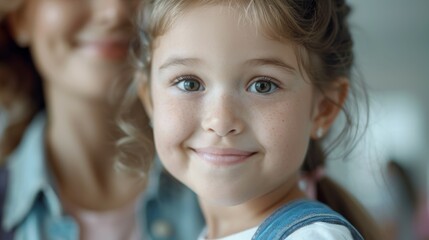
(298, 214)
(169, 211)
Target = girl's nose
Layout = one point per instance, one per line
(222, 117)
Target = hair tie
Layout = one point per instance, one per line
(308, 181)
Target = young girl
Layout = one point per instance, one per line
(241, 94)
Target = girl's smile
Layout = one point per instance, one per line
(223, 157)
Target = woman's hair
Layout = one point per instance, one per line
(21, 94)
(324, 48)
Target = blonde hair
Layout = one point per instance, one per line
(135, 147)
(21, 94)
(324, 50)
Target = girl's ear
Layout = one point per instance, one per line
(19, 26)
(328, 105)
(145, 95)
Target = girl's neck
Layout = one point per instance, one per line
(80, 141)
(223, 221)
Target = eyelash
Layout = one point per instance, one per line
(273, 85)
(181, 80)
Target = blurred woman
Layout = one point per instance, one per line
(58, 61)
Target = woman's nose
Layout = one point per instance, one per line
(115, 12)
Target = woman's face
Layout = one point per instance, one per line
(79, 46)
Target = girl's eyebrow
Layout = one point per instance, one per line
(189, 61)
(179, 61)
(275, 62)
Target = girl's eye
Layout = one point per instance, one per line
(264, 86)
(189, 84)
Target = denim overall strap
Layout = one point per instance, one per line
(298, 214)
(3, 185)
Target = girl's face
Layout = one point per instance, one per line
(232, 114)
(78, 46)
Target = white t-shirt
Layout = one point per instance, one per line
(318, 230)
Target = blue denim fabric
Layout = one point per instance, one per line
(296, 215)
(4, 235)
(168, 211)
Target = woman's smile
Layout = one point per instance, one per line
(113, 47)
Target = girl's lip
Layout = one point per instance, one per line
(223, 156)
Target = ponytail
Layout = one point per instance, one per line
(338, 198)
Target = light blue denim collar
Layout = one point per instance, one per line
(29, 176)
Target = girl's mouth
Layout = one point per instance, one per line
(223, 156)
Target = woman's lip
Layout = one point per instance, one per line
(106, 48)
(223, 156)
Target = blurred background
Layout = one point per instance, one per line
(388, 171)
